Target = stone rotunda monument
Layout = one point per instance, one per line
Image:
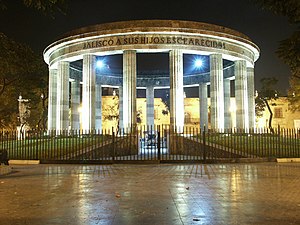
(130, 38)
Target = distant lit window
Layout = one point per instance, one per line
(278, 113)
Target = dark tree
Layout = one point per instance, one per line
(265, 97)
(47, 7)
(166, 100)
(289, 52)
(289, 49)
(22, 72)
(288, 8)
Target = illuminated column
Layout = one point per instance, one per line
(129, 88)
(203, 105)
(251, 96)
(176, 89)
(216, 91)
(150, 106)
(88, 93)
(227, 113)
(75, 104)
(121, 124)
(98, 108)
(62, 108)
(241, 98)
(52, 99)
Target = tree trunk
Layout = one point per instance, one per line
(271, 116)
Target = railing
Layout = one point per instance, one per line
(160, 143)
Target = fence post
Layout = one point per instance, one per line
(158, 144)
(113, 145)
(7, 140)
(204, 144)
(37, 145)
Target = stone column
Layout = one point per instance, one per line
(150, 106)
(62, 108)
(88, 93)
(75, 104)
(251, 97)
(241, 98)
(98, 109)
(216, 92)
(129, 89)
(227, 113)
(52, 99)
(176, 90)
(121, 124)
(203, 105)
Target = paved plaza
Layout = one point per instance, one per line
(172, 194)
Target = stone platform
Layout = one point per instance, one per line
(172, 194)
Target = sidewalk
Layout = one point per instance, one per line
(172, 194)
(5, 169)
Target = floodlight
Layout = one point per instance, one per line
(100, 63)
(198, 63)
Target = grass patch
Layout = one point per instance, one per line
(54, 147)
(261, 145)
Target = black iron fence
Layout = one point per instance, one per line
(159, 144)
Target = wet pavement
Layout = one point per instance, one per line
(172, 194)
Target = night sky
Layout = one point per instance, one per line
(264, 28)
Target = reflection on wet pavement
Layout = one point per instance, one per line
(262, 193)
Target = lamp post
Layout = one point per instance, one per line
(24, 114)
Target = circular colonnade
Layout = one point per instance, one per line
(150, 36)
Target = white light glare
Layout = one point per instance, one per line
(100, 63)
(198, 63)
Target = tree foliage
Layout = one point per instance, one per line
(265, 97)
(112, 110)
(166, 100)
(22, 72)
(289, 52)
(294, 94)
(48, 7)
(288, 8)
(289, 49)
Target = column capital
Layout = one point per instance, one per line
(216, 55)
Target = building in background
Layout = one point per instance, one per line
(282, 115)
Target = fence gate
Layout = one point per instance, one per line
(154, 144)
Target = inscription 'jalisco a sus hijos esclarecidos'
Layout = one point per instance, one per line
(153, 40)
